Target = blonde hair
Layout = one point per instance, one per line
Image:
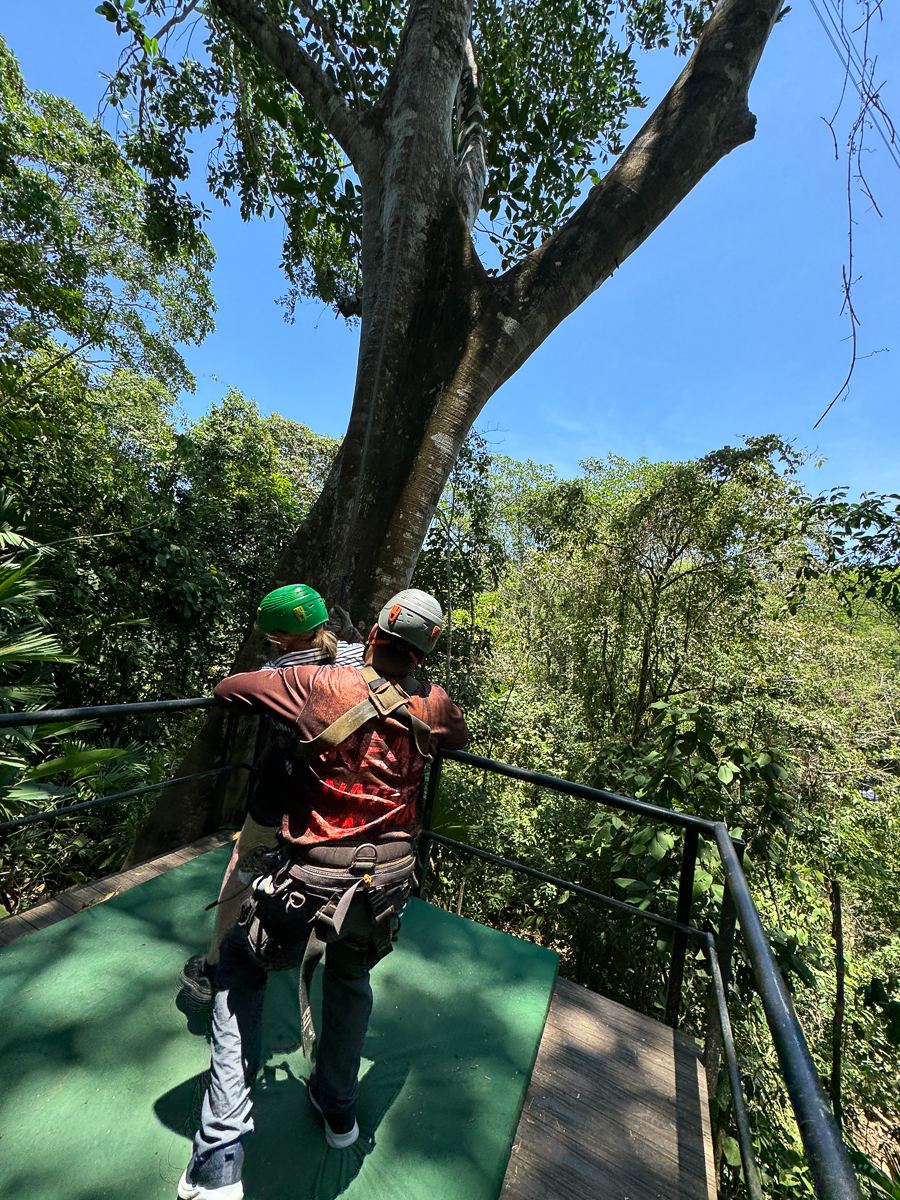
(325, 641)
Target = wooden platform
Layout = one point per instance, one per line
(73, 900)
(617, 1108)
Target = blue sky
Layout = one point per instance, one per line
(724, 323)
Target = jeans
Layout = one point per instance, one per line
(237, 1010)
(233, 890)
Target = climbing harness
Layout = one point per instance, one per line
(300, 896)
(384, 699)
(307, 900)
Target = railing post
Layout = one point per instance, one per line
(222, 781)
(742, 1121)
(424, 857)
(712, 1048)
(833, 1176)
(683, 916)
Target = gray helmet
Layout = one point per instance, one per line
(414, 616)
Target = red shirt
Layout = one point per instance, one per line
(368, 786)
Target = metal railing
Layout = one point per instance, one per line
(833, 1175)
(108, 712)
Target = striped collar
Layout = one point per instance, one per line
(349, 654)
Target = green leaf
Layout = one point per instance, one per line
(657, 848)
(32, 793)
(732, 1152)
(82, 762)
(291, 187)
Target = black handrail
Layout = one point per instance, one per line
(827, 1157)
(833, 1175)
(51, 814)
(102, 712)
(568, 886)
(105, 712)
(553, 783)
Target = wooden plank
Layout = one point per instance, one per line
(12, 928)
(617, 1108)
(74, 900)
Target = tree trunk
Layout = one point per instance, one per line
(439, 335)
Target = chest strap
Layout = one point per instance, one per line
(384, 699)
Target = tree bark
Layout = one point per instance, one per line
(438, 334)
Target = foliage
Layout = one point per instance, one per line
(859, 547)
(165, 532)
(89, 269)
(693, 634)
(559, 79)
(34, 757)
(154, 538)
(463, 557)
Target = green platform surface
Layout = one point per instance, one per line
(101, 1076)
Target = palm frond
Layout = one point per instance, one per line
(30, 645)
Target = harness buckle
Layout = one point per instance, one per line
(365, 859)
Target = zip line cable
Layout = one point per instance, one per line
(863, 91)
(849, 62)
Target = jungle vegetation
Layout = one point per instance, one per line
(705, 634)
(437, 164)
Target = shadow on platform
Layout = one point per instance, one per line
(103, 1080)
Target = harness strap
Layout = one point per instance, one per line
(326, 926)
(336, 888)
(384, 699)
(312, 956)
(338, 731)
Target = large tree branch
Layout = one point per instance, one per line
(471, 153)
(704, 116)
(282, 51)
(434, 36)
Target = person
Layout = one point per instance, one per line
(294, 619)
(338, 881)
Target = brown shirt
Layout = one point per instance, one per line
(368, 786)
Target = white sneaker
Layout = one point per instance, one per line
(337, 1141)
(196, 1191)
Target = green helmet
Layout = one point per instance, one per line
(292, 609)
(414, 616)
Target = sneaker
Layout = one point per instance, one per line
(220, 1171)
(196, 1191)
(197, 981)
(340, 1132)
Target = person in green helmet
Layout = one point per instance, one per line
(335, 890)
(294, 619)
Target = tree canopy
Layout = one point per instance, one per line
(549, 89)
(92, 266)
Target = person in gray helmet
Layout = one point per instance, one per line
(339, 881)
